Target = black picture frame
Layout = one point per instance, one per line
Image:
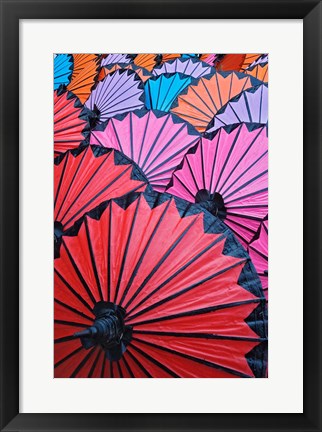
(11, 12)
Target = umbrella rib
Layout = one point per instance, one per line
(218, 88)
(88, 203)
(265, 257)
(181, 150)
(206, 114)
(103, 367)
(196, 311)
(192, 174)
(161, 261)
(94, 266)
(248, 108)
(147, 373)
(248, 195)
(182, 184)
(119, 369)
(109, 258)
(211, 189)
(243, 173)
(154, 361)
(140, 260)
(247, 183)
(128, 367)
(61, 179)
(70, 323)
(126, 249)
(199, 335)
(241, 225)
(71, 289)
(72, 309)
(162, 149)
(90, 374)
(104, 159)
(143, 138)
(185, 290)
(228, 156)
(195, 359)
(211, 98)
(77, 271)
(82, 363)
(68, 356)
(72, 181)
(155, 141)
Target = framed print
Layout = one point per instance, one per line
(161, 216)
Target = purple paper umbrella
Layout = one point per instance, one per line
(258, 251)
(116, 58)
(187, 66)
(250, 106)
(155, 140)
(119, 92)
(228, 174)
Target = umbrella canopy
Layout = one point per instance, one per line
(236, 62)
(228, 173)
(250, 106)
(161, 91)
(63, 68)
(151, 286)
(168, 57)
(201, 101)
(258, 251)
(85, 177)
(156, 141)
(144, 74)
(188, 66)
(120, 91)
(71, 124)
(84, 76)
(259, 71)
(116, 58)
(147, 61)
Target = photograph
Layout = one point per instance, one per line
(160, 204)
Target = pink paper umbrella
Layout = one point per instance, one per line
(228, 174)
(155, 140)
(258, 251)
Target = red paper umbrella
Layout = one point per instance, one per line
(70, 121)
(86, 177)
(228, 173)
(151, 286)
(258, 251)
(155, 140)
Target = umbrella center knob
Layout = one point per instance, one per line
(108, 330)
(213, 202)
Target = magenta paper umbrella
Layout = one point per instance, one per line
(119, 92)
(155, 140)
(228, 174)
(250, 106)
(258, 251)
(187, 66)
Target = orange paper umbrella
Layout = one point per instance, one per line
(84, 75)
(147, 61)
(200, 101)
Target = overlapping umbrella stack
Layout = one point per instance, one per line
(160, 215)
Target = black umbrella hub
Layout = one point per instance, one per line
(108, 330)
(213, 202)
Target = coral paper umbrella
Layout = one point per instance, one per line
(228, 173)
(258, 251)
(84, 178)
(155, 140)
(71, 124)
(151, 286)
